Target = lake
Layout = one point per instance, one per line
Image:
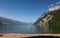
(23, 29)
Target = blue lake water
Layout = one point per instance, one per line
(20, 29)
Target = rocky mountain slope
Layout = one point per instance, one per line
(50, 20)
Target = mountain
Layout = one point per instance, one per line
(6, 21)
(50, 20)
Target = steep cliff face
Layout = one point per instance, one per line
(43, 22)
(50, 20)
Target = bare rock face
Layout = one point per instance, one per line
(50, 20)
(44, 22)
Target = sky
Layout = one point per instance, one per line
(24, 10)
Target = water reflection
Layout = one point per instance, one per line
(20, 29)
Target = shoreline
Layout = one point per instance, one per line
(14, 35)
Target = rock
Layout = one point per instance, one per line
(50, 20)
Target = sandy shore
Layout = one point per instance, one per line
(13, 35)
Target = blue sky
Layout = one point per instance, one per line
(24, 10)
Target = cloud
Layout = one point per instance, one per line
(59, 1)
(52, 4)
(56, 2)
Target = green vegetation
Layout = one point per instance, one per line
(54, 23)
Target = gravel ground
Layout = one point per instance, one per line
(13, 35)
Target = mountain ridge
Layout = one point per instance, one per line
(50, 20)
(7, 21)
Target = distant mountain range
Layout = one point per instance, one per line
(6, 21)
